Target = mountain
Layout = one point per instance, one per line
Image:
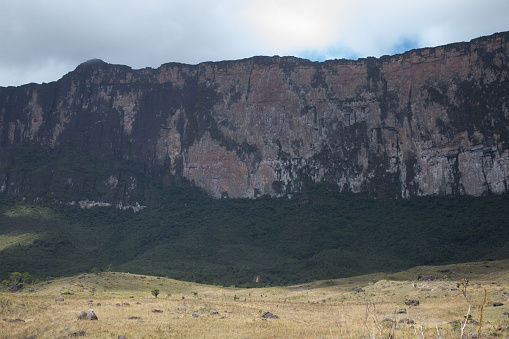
(344, 139)
(431, 121)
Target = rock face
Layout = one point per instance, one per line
(429, 121)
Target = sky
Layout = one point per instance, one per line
(42, 40)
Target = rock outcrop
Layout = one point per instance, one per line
(427, 122)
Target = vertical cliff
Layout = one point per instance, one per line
(429, 121)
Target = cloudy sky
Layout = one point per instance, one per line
(41, 40)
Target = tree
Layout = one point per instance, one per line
(155, 292)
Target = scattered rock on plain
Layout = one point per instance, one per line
(91, 315)
(14, 320)
(411, 302)
(269, 315)
(82, 315)
(157, 311)
(428, 278)
(80, 333)
(59, 299)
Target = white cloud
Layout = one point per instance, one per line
(296, 24)
(42, 40)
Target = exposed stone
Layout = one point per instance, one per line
(91, 315)
(80, 333)
(157, 311)
(269, 315)
(59, 299)
(121, 337)
(472, 321)
(195, 315)
(15, 288)
(411, 302)
(213, 312)
(14, 320)
(428, 278)
(498, 304)
(358, 289)
(82, 315)
(426, 122)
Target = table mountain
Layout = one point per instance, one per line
(431, 121)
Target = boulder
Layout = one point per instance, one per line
(14, 320)
(15, 288)
(80, 333)
(82, 315)
(59, 299)
(498, 304)
(196, 315)
(91, 315)
(411, 302)
(358, 289)
(157, 311)
(269, 315)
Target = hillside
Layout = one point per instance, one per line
(192, 237)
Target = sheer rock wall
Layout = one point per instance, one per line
(429, 121)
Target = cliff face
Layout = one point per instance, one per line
(426, 122)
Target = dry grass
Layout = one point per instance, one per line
(323, 309)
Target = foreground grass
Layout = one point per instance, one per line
(323, 309)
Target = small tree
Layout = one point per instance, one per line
(155, 292)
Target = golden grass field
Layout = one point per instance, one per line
(322, 309)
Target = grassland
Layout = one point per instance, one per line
(321, 309)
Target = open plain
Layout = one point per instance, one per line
(379, 305)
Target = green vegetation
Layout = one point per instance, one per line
(19, 280)
(319, 235)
